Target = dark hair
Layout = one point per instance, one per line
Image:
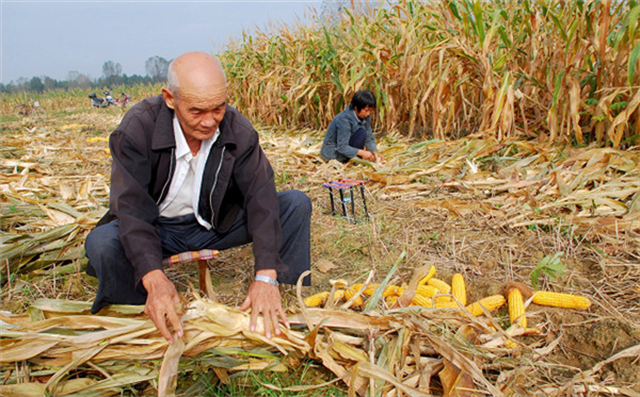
(362, 99)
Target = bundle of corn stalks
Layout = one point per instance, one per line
(405, 351)
(119, 349)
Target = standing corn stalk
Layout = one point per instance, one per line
(562, 70)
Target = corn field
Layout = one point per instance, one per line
(511, 133)
(562, 71)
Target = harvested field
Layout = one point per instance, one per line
(488, 210)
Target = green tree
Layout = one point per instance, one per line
(36, 85)
(111, 73)
(157, 68)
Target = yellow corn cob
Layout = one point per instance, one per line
(338, 295)
(391, 299)
(349, 293)
(316, 300)
(370, 289)
(339, 284)
(393, 290)
(440, 304)
(356, 287)
(557, 299)
(439, 284)
(510, 344)
(428, 291)
(516, 307)
(426, 278)
(490, 303)
(458, 289)
(420, 300)
(442, 299)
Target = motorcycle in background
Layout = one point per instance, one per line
(108, 100)
(124, 100)
(97, 102)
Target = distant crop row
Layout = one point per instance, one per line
(558, 70)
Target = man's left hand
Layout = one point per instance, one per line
(265, 299)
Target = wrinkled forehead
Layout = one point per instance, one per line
(203, 93)
(208, 91)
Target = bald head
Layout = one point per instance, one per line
(195, 71)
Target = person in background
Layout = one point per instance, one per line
(188, 173)
(349, 134)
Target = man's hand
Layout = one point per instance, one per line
(162, 300)
(265, 299)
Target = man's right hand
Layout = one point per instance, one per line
(162, 300)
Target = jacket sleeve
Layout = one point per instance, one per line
(255, 178)
(343, 135)
(130, 200)
(370, 142)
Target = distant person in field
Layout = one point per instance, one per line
(188, 173)
(349, 134)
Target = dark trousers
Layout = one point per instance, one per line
(358, 138)
(108, 262)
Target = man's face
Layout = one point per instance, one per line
(200, 99)
(364, 112)
(199, 115)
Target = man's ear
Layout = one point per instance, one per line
(169, 98)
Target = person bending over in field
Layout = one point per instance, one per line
(349, 134)
(188, 173)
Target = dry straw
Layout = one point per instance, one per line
(411, 351)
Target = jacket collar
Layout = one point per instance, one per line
(227, 136)
(163, 137)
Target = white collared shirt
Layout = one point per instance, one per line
(184, 191)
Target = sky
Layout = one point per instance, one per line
(51, 38)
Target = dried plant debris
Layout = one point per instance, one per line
(486, 209)
(412, 350)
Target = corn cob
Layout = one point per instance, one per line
(442, 299)
(391, 300)
(443, 288)
(489, 303)
(426, 278)
(458, 289)
(370, 289)
(439, 284)
(349, 293)
(440, 304)
(339, 284)
(338, 295)
(427, 291)
(557, 299)
(393, 290)
(516, 307)
(510, 344)
(316, 300)
(420, 300)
